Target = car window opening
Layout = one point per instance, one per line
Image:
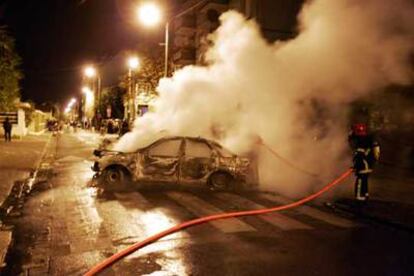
(166, 148)
(197, 149)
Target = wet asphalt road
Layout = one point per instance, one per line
(66, 229)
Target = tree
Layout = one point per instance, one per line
(28, 110)
(10, 74)
(51, 107)
(150, 71)
(112, 97)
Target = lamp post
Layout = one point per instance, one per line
(89, 102)
(71, 108)
(150, 14)
(91, 73)
(133, 64)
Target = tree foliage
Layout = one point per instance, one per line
(10, 74)
(112, 97)
(150, 71)
(29, 112)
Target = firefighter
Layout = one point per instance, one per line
(366, 154)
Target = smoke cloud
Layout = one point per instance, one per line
(291, 94)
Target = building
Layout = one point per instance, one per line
(277, 19)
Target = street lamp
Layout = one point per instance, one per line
(89, 101)
(133, 64)
(88, 93)
(149, 14)
(70, 108)
(71, 103)
(86, 90)
(91, 73)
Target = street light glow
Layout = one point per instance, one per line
(149, 14)
(70, 105)
(133, 63)
(90, 71)
(86, 89)
(89, 99)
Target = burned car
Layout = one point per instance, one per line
(183, 160)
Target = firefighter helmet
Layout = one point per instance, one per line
(360, 129)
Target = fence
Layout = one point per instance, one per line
(13, 117)
(17, 118)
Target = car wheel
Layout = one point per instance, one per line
(220, 181)
(115, 178)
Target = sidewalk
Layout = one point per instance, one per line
(17, 160)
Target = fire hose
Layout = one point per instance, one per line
(287, 162)
(129, 250)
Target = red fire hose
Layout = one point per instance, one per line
(118, 256)
(286, 161)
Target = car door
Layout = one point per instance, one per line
(160, 162)
(197, 162)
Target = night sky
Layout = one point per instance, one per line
(56, 38)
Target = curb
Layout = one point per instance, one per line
(376, 219)
(33, 177)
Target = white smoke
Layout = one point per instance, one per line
(292, 94)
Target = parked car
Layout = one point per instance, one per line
(178, 160)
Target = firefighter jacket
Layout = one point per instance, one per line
(366, 153)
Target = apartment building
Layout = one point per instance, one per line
(277, 19)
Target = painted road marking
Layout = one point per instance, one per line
(135, 197)
(314, 213)
(150, 218)
(116, 221)
(201, 208)
(276, 219)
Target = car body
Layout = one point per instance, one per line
(179, 160)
